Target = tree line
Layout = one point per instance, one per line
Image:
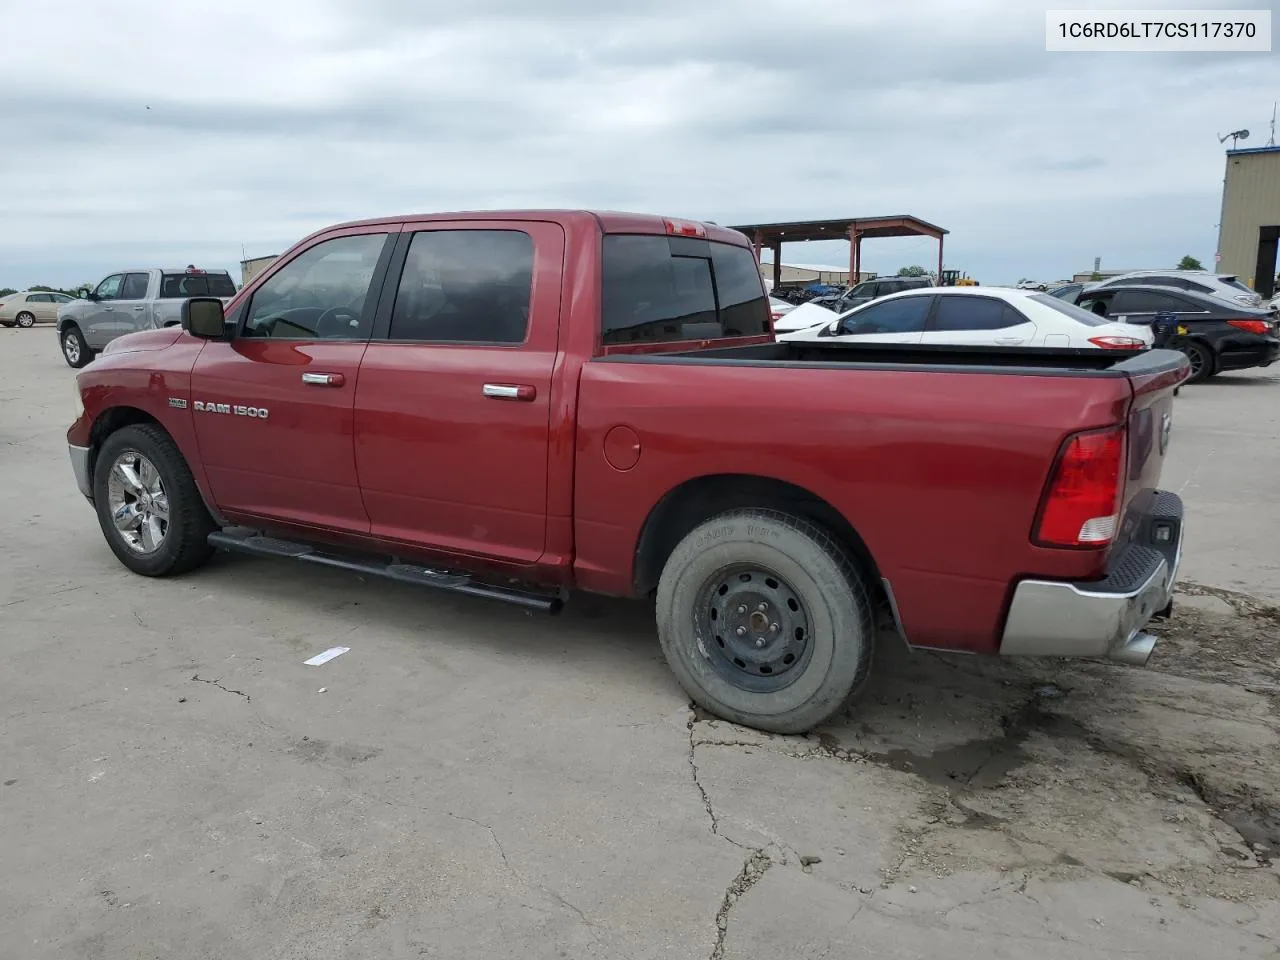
(41, 288)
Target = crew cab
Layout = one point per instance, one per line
(517, 405)
(133, 300)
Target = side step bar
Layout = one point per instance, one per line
(264, 546)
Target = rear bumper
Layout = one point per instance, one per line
(1103, 618)
(1238, 356)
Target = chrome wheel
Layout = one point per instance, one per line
(138, 502)
(756, 628)
(25, 320)
(71, 348)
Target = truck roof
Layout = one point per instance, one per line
(609, 221)
(162, 270)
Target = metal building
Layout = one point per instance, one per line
(251, 268)
(1250, 222)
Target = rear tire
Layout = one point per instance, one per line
(181, 542)
(1202, 362)
(765, 621)
(25, 319)
(75, 349)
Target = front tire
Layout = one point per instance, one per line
(75, 349)
(25, 319)
(148, 505)
(765, 621)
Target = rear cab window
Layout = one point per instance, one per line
(179, 286)
(665, 289)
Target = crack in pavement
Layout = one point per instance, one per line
(753, 869)
(218, 683)
(534, 884)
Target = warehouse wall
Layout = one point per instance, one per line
(1251, 200)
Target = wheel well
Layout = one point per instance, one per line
(696, 501)
(109, 421)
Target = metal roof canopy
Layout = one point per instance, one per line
(854, 229)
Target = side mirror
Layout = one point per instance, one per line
(204, 317)
(88, 295)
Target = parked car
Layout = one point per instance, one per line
(779, 308)
(1224, 286)
(989, 316)
(1216, 335)
(1032, 285)
(824, 309)
(514, 405)
(1070, 292)
(133, 300)
(30, 307)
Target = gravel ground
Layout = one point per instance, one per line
(471, 781)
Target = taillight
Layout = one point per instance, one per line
(1118, 343)
(1260, 327)
(685, 228)
(1082, 504)
(775, 316)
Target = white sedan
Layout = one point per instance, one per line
(976, 316)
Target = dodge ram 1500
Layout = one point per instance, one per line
(519, 404)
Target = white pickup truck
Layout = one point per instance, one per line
(133, 300)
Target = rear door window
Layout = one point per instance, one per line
(465, 286)
(1148, 301)
(957, 312)
(659, 289)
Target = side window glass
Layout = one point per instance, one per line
(974, 313)
(465, 286)
(906, 315)
(135, 287)
(321, 294)
(109, 289)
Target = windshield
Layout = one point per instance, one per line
(1077, 314)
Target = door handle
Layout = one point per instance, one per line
(324, 379)
(109, 309)
(139, 309)
(1008, 341)
(511, 391)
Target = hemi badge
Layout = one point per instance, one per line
(178, 402)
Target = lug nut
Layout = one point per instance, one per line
(760, 642)
(742, 609)
(763, 607)
(742, 631)
(774, 628)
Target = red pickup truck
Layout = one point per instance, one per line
(518, 404)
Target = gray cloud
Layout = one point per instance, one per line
(299, 114)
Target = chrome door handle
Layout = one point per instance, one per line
(324, 379)
(139, 309)
(510, 391)
(1008, 341)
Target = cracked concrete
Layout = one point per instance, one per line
(477, 782)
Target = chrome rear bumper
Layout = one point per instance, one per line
(1104, 618)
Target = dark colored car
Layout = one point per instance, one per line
(1215, 335)
(869, 290)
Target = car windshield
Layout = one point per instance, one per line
(1077, 314)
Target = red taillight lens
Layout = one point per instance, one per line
(685, 228)
(1260, 327)
(775, 316)
(1082, 505)
(1118, 343)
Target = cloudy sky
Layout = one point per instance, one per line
(145, 131)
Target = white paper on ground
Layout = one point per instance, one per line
(325, 657)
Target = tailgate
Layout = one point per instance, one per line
(1151, 418)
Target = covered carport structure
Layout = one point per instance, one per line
(854, 229)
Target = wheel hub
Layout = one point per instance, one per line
(755, 629)
(138, 502)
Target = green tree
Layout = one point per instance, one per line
(5, 291)
(912, 271)
(1190, 263)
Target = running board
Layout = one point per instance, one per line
(264, 546)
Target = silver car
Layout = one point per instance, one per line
(1223, 286)
(133, 300)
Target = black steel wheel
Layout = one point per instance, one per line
(1202, 365)
(764, 620)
